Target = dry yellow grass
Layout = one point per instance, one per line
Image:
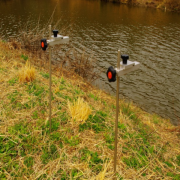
(27, 73)
(102, 175)
(79, 111)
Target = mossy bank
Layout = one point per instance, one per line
(148, 146)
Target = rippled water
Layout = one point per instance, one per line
(149, 36)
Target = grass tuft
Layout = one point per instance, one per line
(79, 111)
(27, 73)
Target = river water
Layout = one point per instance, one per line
(149, 36)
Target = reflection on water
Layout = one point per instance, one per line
(149, 36)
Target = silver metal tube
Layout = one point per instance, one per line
(116, 120)
(50, 50)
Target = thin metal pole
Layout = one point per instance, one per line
(50, 49)
(116, 120)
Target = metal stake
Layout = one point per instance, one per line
(50, 49)
(116, 120)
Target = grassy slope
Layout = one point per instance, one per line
(147, 149)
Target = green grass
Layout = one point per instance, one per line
(24, 57)
(45, 75)
(174, 176)
(95, 163)
(93, 96)
(29, 161)
(122, 127)
(109, 138)
(178, 160)
(2, 70)
(35, 89)
(155, 119)
(13, 81)
(72, 141)
(59, 94)
(49, 153)
(126, 109)
(96, 122)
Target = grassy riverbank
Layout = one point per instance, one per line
(82, 140)
(169, 5)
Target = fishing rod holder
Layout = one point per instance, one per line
(57, 39)
(123, 67)
(127, 68)
(113, 74)
(54, 40)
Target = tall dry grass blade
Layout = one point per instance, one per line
(79, 111)
(102, 174)
(27, 73)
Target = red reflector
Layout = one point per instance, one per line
(109, 75)
(42, 44)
